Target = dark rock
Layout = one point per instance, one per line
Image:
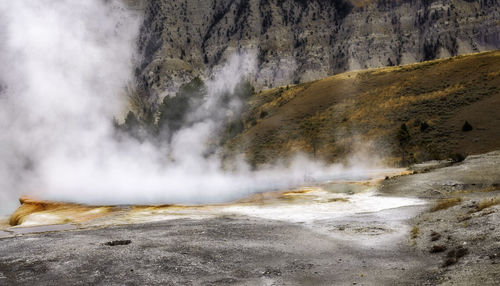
(454, 255)
(118, 242)
(435, 236)
(438, 248)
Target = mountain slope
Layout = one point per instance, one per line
(333, 116)
(297, 41)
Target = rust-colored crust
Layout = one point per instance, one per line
(70, 211)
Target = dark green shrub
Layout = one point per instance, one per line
(133, 127)
(172, 110)
(403, 137)
(235, 128)
(131, 122)
(466, 127)
(244, 90)
(424, 126)
(457, 157)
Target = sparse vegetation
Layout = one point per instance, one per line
(424, 126)
(467, 127)
(488, 203)
(312, 132)
(473, 190)
(334, 200)
(171, 114)
(457, 157)
(373, 105)
(131, 122)
(414, 232)
(403, 139)
(444, 204)
(454, 255)
(173, 109)
(235, 127)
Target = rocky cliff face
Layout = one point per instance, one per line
(299, 40)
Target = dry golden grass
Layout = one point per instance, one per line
(334, 200)
(488, 203)
(414, 232)
(330, 115)
(469, 191)
(445, 204)
(360, 3)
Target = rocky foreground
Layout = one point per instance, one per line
(455, 239)
(217, 251)
(461, 230)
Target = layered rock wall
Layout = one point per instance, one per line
(298, 40)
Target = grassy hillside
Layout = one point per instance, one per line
(328, 118)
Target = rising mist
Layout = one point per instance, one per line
(65, 68)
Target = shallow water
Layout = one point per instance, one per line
(322, 206)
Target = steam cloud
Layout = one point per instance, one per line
(64, 67)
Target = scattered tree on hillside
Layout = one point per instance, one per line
(131, 121)
(424, 126)
(132, 126)
(466, 127)
(244, 90)
(457, 157)
(162, 122)
(235, 125)
(403, 137)
(311, 130)
(172, 110)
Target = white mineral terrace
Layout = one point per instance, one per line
(354, 207)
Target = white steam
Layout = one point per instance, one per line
(64, 67)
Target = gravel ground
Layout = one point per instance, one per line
(217, 251)
(460, 231)
(456, 244)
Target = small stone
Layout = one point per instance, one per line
(437, 248)
(435, 236)
(118, 242)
